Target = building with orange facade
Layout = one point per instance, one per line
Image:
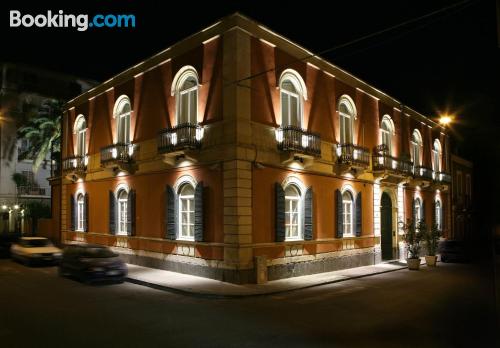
(230, 145)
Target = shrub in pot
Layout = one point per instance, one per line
(412, 234)
(431, 237)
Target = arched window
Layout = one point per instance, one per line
(438, 214)
(122, 211)
(80, 212)
(122, 113)
(387, 130)
(293, 93)
(185, 88)
(417, 209)
(186, 211)
(347, 114)
(80, 130)
(293, 216)
(436, 158)
(348, 213)
(416, 146)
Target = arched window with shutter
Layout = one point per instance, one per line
(294, 210)
(347, 115)
(122, 113)
(292, 95)
(185, 87)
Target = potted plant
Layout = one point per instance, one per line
(431, 237)
(412, 236)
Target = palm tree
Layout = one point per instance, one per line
(44, 134)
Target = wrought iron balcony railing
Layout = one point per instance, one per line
(31, 190)
(442, 178)
(182, 136)
(119, 152)
(353, 154)
(74, 164)
(422, 172)
(291, 138)
(382, 161)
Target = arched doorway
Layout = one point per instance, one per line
(386, 226)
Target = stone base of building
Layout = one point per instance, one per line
(321, 265)
(337, 261)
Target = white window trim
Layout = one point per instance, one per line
(300, 218)
(387, 121)
(416, 144)
(293, 180)
(120, 102)
(184, 179)
(348, 188)
(437, 150)
(351, 106)
(438, 216)
(80, 129)
(179, 212)
(296, 80)
(119, 188)
(419, 211)
(180, 77)
(78, 228)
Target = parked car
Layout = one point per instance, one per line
(90, 263)
(35, 250)
(6, 240)
(453, 251)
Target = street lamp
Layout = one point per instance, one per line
(445, 120)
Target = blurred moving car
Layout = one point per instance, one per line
(453, 251)
(90, 263)
(6, 241)
(35, 250)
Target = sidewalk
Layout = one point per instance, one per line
(199, 286)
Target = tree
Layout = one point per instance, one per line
(44, 134)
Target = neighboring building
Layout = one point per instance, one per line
(229, 145)
(461, 197)
(23, 90)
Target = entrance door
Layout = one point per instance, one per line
(386, 226)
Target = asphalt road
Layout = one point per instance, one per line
(450, 306)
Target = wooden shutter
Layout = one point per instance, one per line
(422, 209)
(413, 212)
(339, 214)
(86, 212)
(131, 213)
(112, 213)
(434, 216)
(308, 214)
(198, 212)
(280, 212)
(171, 212)
(359, 215)
(73, 212)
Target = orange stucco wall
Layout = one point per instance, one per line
(324, 187)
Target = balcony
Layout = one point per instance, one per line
(119, 157)
(442, 180)
(390, 168)
(298, 142)
(74, 167)
(422, 176)
(352, 157)
(185, 136)
(31, 190)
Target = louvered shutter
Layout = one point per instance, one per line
(86, 213)
(112, 213)
(422, 211)
(339, 214)
(280, 212)
(308, 214)
(198, 212)
(359, 215)
(414, 212)
(131, 213)
(73, 212)
(171, 212)
(434, 216)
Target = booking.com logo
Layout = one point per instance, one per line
(62, 20)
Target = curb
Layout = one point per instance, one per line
(241, 296)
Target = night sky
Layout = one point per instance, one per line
(448, 62)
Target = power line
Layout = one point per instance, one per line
(464, 3)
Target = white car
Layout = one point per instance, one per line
(31, 250)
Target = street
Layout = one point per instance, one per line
(449, 306)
